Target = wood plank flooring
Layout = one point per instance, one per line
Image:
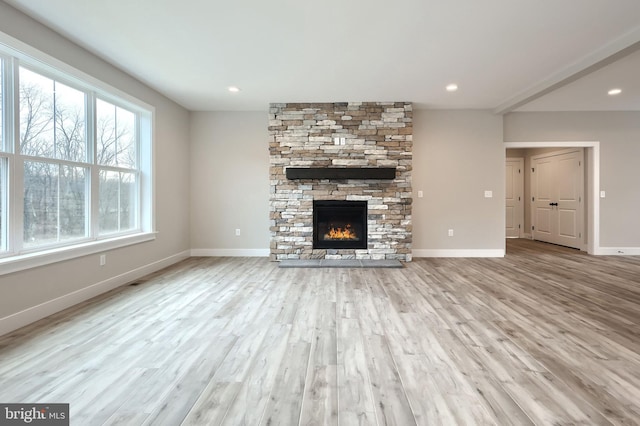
(545, 336)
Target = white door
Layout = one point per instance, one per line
(514, 190)
(557, 188)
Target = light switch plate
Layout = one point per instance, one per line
(488, 194)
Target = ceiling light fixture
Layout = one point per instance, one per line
(234, 89)
(452, 87)
(613, 92)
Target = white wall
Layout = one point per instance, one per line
(619, 137)
(31, 294)
(457, 156)
(230, 183)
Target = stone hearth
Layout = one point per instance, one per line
(342, 135)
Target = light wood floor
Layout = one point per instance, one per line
(546, 335)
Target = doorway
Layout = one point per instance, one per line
(591, 185)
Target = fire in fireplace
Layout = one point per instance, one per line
(339, 224)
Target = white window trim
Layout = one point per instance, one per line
(11, 262)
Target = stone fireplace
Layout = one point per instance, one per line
(323, 155)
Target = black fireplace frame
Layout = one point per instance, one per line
(361, 206)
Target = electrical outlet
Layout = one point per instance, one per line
(451, 232)
(420, 194)
(237, 232)
(103, 259)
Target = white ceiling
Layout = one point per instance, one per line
(501, 53)
(589, 93)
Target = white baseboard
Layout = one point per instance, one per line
(230, 252)
(43, 310)
(458, 252)
(617, 251)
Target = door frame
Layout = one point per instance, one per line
(520, 183)
(592, 151)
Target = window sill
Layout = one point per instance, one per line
(22, 262)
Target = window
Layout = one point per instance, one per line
(117, 154)
(3, 166)
(75, 161)
(53, 127)
(3, 204)
(52, 119)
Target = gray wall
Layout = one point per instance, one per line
(46, 285)
(230, 183)
(457, 156)
(619, 137)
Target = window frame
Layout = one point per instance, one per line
(16, 257)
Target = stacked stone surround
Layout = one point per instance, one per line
(376, 134)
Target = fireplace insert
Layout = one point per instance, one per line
(339, 224)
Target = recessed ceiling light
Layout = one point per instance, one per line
(613, 92)
(234, 89)
(452, 87)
